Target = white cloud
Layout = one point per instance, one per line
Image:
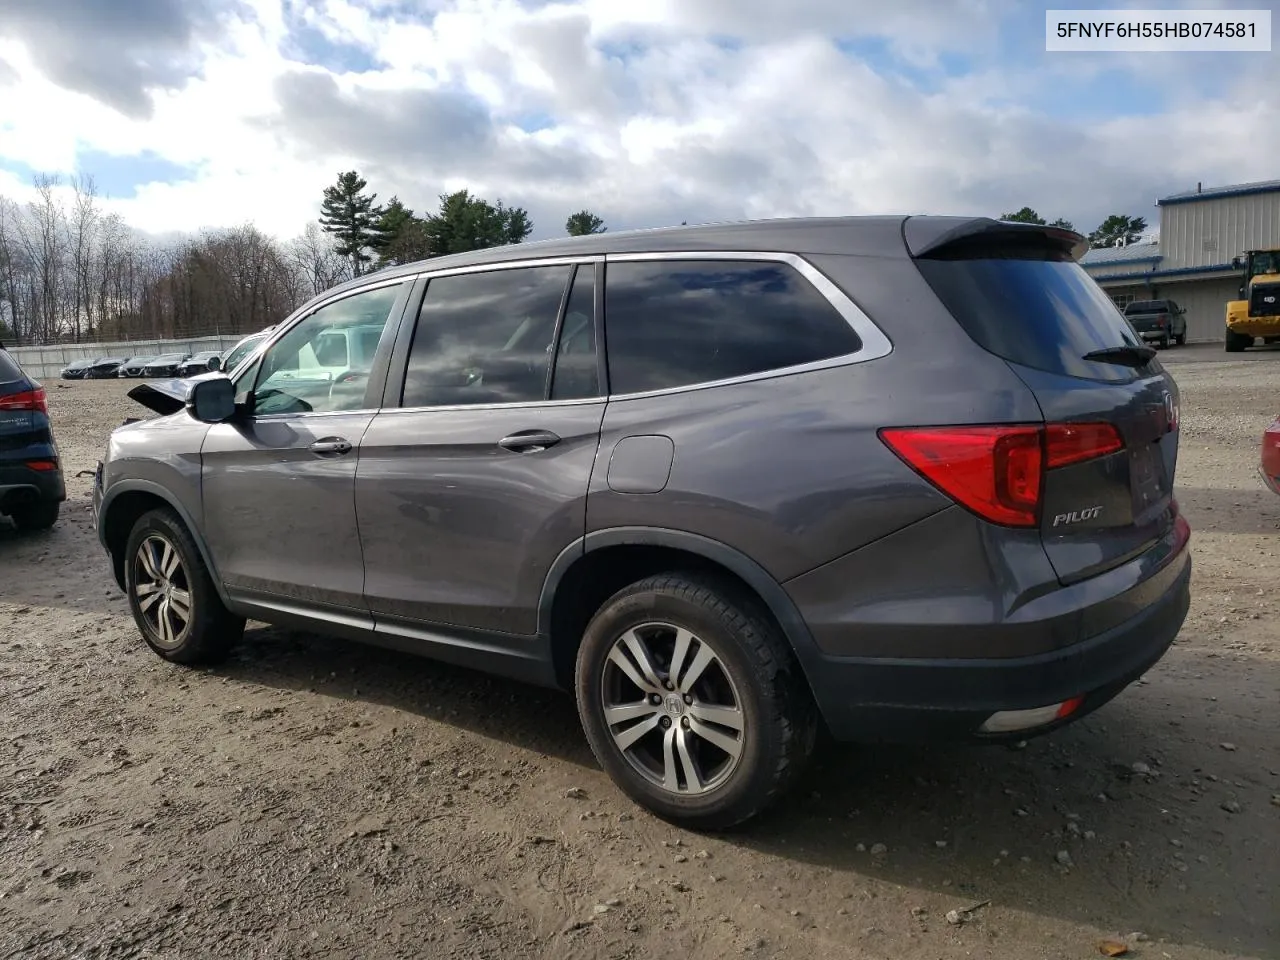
(651, 112)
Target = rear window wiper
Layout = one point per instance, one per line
(1131, 355)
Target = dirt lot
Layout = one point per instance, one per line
(317, 799)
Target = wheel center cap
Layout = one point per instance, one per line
(673, 705)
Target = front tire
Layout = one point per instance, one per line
(172, 596)
(1236, 342)
(692, 701)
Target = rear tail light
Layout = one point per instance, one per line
(998, 471)
(27, 400)
(1068, 443)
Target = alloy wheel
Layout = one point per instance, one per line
(162, 590)
(672, 708)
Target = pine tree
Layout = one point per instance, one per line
(583, 223)
(353, 218)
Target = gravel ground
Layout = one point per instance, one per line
(316, 799)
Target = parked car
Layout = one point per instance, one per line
(1160, 320)
(165, 365)
(134, 366)
(76, 369)
(716, 531)
(1269, 466)
(202, 362)
(232, 357)
(104, 367)
(31, 484)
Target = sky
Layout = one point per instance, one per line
(193, 114)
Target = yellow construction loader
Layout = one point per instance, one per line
(1257, 312)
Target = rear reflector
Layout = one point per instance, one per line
(1011, 721)
(43, 465)
(998, 471)
(33, 400)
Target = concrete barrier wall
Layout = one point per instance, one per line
(46, 363)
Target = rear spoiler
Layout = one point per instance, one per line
(967, 238)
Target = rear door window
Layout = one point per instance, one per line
(1045, 314)
(674, 323)
(577, 371)
(485, 338)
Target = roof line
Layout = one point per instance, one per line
(1177, 272)
(1241, 190)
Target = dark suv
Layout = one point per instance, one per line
(908, 477)
(31, 484)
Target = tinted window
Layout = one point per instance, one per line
(9, 369)
(577, 375)
(1046, 314)
(485, 337)
(292, 376)
(1147, 306)
(672, 323)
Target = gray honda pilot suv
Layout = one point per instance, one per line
(909, 478)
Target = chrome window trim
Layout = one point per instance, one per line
(429, 275)
(513, 405)
(874, 342)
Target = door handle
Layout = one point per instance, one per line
(330, 447)
(529, 441)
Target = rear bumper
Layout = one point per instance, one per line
(909, 700)
(19, 483)
(1272, 482)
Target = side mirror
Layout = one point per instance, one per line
(215, 364)
(212, 401)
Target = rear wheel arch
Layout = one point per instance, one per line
(591, 570)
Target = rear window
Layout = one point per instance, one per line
(1147, 306)
(9, 369)
(1045, 314)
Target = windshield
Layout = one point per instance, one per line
(239, 352)
(1046, 314)
(168, 358)
(1266, 262)
(1147, 306)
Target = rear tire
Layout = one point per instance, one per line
(720, 723)
(36, 516)
(1236, 342)
(1164, 343)
(172, 596)
(1181, 339)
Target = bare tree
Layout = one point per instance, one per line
(82, 238)
(314, 257)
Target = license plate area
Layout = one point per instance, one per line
(1148, 483)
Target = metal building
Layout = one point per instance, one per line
(1200, 231)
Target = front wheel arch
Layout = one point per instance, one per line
(122, 508)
